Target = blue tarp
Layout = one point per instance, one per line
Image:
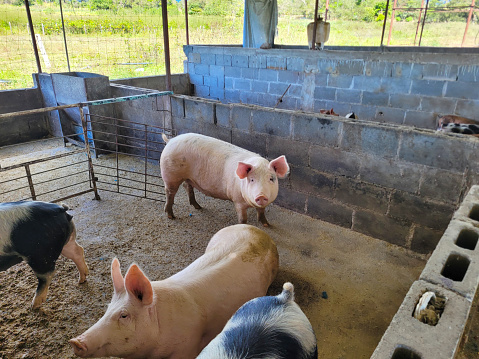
(260, 22)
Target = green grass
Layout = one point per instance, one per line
(109, 43)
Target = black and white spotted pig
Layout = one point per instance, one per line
(266, 328)
(38, 232)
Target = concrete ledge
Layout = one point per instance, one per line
(407, 337)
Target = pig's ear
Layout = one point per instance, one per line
(139, 285)
(117, 278)
(280, 166)
(243, 169)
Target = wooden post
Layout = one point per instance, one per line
(418, 21)
(186, 20)
(32, 33)
(164, 16)
(468, 21)
(384, 24)
(392, 21)
(315, 26)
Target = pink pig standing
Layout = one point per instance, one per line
(177, 317)
(221, 170)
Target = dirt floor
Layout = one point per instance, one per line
(349, 285)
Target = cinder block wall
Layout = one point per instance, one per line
(405, 86)
(391, 182)
(24, 128)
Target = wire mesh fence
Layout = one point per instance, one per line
(124, 38)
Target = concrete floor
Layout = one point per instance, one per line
(349, 285)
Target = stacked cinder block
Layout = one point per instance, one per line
(403, 87)
(452, 272)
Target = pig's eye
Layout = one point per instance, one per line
(251, 179)
(123, 315)
(271, 178)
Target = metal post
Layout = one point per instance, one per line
(468, 21)
(87, 146)
(423, 22)
(164, 15)
(32, 33)
(392, 21)
(418, 21)
(315, 25)
(30, 182)
(64, 35)
(146, 159)
(384, 24)
(186, 20)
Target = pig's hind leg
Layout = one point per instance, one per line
(191, 194)
(170, 189)
(75, 252)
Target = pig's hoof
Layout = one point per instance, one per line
(170, 216)
(266, 224)
(197, 206)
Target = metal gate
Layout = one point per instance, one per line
(118, 156)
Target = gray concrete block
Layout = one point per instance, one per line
(295, 91)
(407, 337)
(438, 105)
(249, 73)
(428, 87)
(462, 90)
(468, 211)
(218, 132)
(202, 91)
(370, 139)
(287, 103)
(257, 61)
(234, 72)
(260, 86)
(353, 67)
(185, 125)
(194, 57)
(390, 115)
(217, 93)
(444, 72)
(414, 208)
(416, 71)
(441, 185)
(268, 75)
(421, 119)
(327, 66)
(241, 117)
(210, 81)
(454, 264)
(277, 88)
(290, 199)
(295, 64)
(196, 79)
(201, 69)
(467, 108)
(297, 153)
(239, 61)
(321, 80)
(217, 71)
(395, 85)
(242, 84)
(306, 180)
(177, 106)
(467, 73)
(208, 59)
(316, 129)
(375, 68)
(361, 194)
(380, 226)
(229, 83)
(424, 240)
(200, 110)
(369, 83)
(272, 122)
(335, 161)
(375, 99)
(255, 143)
(401, 69)
(364, 112)
(250, 98)
(347, 95)
(223, 113)
(325, 93)
(329, 211)
(404, 101)
(290, 77)
(342, 81)
(428, 149)
(223, 60)
(276, 63)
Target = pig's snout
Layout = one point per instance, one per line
(261, 200)
(79, 347)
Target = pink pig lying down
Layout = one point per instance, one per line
(220, 170)
(177, 317)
